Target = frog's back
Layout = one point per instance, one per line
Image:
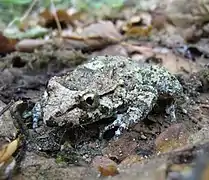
(101, 72)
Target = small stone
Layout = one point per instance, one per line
(143, 137)
(105, 166)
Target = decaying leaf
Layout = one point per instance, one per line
(6, 44)
(64, 16)
(138, 31)
(7, 161)
(130, 160)
(181, 15)
(174, 137)
(113, 50)
(8, 149)
(29, 45)
(105, 166)
(94, 36)
(33, 32)
(109, 170)
(144, 50)
(138, 26)
(205, 174)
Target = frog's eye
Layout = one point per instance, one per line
(90, 100)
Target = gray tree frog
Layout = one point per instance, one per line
(109, 87)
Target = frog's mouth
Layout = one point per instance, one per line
(100, 124)
(84, 121)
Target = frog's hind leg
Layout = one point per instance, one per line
(142, 105)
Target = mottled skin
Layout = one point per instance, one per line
(106, 87)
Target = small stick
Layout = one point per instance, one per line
(6, 107)
(26, 14)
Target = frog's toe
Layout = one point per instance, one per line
(117, 133)
(170, 110)
(120, 131)
(36, 114)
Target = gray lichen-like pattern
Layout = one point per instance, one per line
(109, 87)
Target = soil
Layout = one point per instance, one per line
(25, 77)
(153, 149)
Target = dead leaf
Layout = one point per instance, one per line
(146, 51)
(64, 16)
(94, 36)
(184, 13)
(7, 45)
(113, 50)
(173, 137)
(191, 34)
(121, 149)
(205, 174)
(177, 64)
(138, 26)
(105, 29)
(172, 62)
(29, 45)
(138, 31)
(105, 166)
(109, 170)
(130, 160)
(32, 32)
(159, 20)
(7, 150)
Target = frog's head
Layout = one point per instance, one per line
(77, 108)
(94, 107)
(88, 101)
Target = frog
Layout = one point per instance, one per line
(112, 88)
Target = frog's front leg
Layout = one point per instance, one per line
(36, 114)
(142, 99)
